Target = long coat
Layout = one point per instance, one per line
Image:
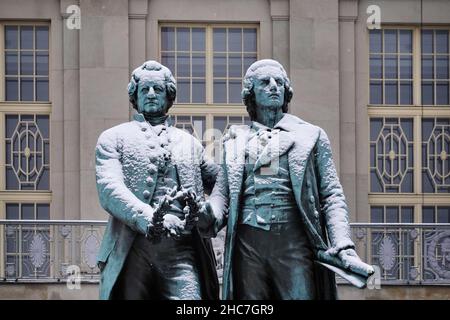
(317, 190)
(126, 171)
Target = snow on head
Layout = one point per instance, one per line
(257, 70)
(152, 69)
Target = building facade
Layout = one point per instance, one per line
(380, 92)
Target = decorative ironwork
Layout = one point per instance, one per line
(387, 252)
(406, 253)
(437, 253)
(435, 155)
(391, 155)
(91, 247)
(37, 251)
(27, 148)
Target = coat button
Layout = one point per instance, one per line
(308, 183)
(273, 217)
(146, 194)
(143, 129)
(149, 181)
(316, 213)
(312, 199)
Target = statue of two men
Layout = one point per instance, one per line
(277, 192)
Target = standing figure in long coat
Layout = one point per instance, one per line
(279, 196)
(146, 169)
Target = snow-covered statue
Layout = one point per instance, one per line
(151, 179)
(281, 200)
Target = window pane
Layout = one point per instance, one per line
(220, 91)
(427, 41)
(198, 91)
(43, 211)
(183, 65)
(167, 38)
(390, 71)
(405, 67)
(442, 93)
(11, 180)
(12, 211)
(441, 41)
(41, 37)
(376, 64)
(12, 87)
(376, 215)
(44, 181)
(219, 39)
(183, 91)
(405, 41)
(42, 89)
(42, 122)
(11, 63)
(220, 123)
(428, 215)
(375, 41)
(235, 87)
(198, 65)
(248, 60)
(183, 39)
(390, 41)
(42, 63)
(250, 40)
(427, 67)
(26, 37)
(234, 65)
(443, 215)
(235, 39)
(168, 60)
(198, 39)
(28, 211)
(427, 93)
(392, 214)
(26, 62)
(391, 92)
(11, 37)
(220, 63)
(406, 93)
(376, 92)
(442, 67)
(26, 89)
(407, 214)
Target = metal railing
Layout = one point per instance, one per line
(49, 250)
(53, 250)
(406, 253)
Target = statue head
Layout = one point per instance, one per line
(266, 85)
(152, 89)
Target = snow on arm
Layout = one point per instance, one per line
(332, 199)
(114, 195)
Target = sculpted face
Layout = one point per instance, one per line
(151, 94)
(269, 87)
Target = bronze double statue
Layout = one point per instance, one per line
(275, 190)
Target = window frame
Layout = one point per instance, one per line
(17, 108)
(209, 109)
(417, 111)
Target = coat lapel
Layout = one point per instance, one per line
(235, 156)
(185, 157)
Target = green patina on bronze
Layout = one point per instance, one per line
(285, 247)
